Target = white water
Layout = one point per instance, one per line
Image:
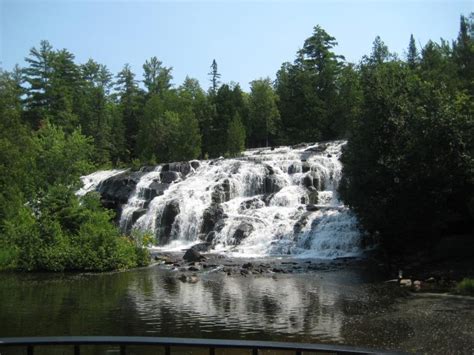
(91, 182)
(330, 231)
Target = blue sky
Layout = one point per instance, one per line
(248, 39)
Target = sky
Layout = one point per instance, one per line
(248, 39)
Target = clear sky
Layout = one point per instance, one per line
(248, 39)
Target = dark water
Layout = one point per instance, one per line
(348, 306)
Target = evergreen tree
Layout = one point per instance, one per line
(214, 74)
(412, 55)
(130, 106)
(157, 78)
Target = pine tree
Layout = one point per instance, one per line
(214, 77)
(412, 55)
(157, 78)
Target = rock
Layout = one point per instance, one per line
(193, 268)
(193, 255)
(168, 216)
(293, 168)
(136, 215)
(210, 217)
(210, 237)
(312, 208)
(247, 266)
(156, 188)
(431, 280)
(267, 198)
(118, 188)
(253, 203)
(195, 164)
(181, 167)
(202, 247)
(305, 167)
(271, 184)
(308, 180)
(318, 148)
(243, 231)
(222, 192)
(182, 278)
(168, 177)
(313, 196)
(405, 283)
(301, 223)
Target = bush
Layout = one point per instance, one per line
(466, 287)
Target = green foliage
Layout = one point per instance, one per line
(235, 136)
(408, 166)
(263, 112)
(466, 287)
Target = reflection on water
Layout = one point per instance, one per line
(342, 306)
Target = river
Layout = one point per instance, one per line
(340, 305)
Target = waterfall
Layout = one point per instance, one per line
(280, 201)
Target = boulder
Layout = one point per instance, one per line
(305, 167)
(301, 223)
(168, 177)
(221, 192)
(271, 184)
(156, 188)
(193, 255)
(195, 164)
(312, 208)
(136, 215)
(180, 167)
(168, 216)
(118, 188)
(267, 198)
(253, 203)
(243, 231)
(210, 217)
(202, 247)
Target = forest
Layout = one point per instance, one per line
(408, 165)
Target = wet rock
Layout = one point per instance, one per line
(272, 184)
(168, 177)
(308, 181)
(301, 223)
(222, 192)
(253, 203)
(305, 167)
(312, 208)
(202, 247)
(243, 231)
(293, 168)
(193, 255)
(247, 266)
(267, 198)
(313, 196)
(193, 268)
(318, 148)
(137, 214)
(156, 188)
(181, 167)
(182, 278)
(210, 217)
(195, 164)
(118, 188)
(170, 212)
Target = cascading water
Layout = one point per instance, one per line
(279, 201)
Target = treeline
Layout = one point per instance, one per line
(407, 168)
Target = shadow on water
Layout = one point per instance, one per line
(341, 306)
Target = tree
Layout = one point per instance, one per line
(130, 106)
(412, 55)
(157, 78)
(214, 74)
(38, 76)
(308, 90)
(263, 112)
(235, 136)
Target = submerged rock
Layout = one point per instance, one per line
(193, 255)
